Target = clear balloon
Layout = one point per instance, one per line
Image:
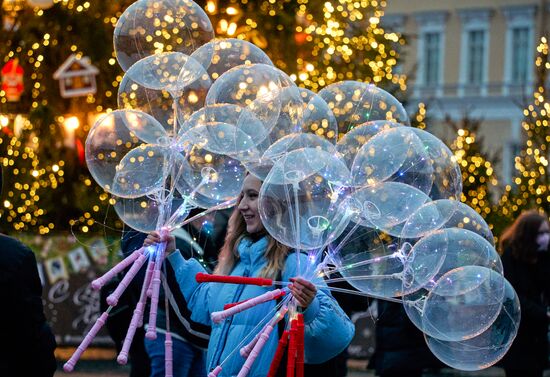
(169, 71)
(160, 103)
(487, 348)
(354, 103)
(351, 143)
(369, 260)
(185, 27)
(260, 89)
(149, 213)
(299, 200)
(452, 248)
(385, 205)
(220, 55)
(261, 168)
(463, 303)
(441, 214)
(112, 137)
(206, 123)
(207, 178)
(394, 155)
(447, 183)
(317, 117)
(142, 170)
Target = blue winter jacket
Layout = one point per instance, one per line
(328, 330)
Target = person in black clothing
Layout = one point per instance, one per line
(526, 265)
(27, 346)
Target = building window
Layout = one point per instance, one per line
(430, 53)
(520, 56)
(519, 49)
(432, 58)
(476, 56)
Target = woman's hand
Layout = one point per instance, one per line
(154, 238)
(303, 290)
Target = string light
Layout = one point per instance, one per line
(531, 183)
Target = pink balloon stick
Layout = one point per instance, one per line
(114, 297)
(69, 365)
(155, 286)
(137, 317)
(217, 317)
(215, 372)
(119, 267)
(168, 355)
(245, 351)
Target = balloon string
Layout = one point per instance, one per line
(362, 263)
(343, 290)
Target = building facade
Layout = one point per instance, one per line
(471, 58)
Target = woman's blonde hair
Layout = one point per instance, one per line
(275, 252)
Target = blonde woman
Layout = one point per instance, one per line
(250, 251)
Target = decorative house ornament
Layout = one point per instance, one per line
(76, 77)
(12, 80)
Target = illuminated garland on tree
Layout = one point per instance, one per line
(531, 183)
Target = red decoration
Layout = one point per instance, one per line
(12, 80)
(278, 354)
(206, 278)
(80, 152)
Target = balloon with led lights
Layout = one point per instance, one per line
(300, 198)
(354, 103)
(394, 155)
(487, 348)
(351, 142)
(259, 88)
(185, 27)
(111, 138)
(220, 55)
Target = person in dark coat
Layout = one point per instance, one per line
(28, 344)
(401, 350)
(526, 266)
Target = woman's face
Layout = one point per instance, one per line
(543, 236)
(249, 204)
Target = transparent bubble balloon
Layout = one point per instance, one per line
(444, 213)
(394, 155)
(354, 103)
(259, 89)
(220, 55)
(261, 168)
(149, 27)
(142, 170)
(160, 103)
(351, 143)
(463, 303)
(447, 183)
(169, 71)
(459, 247)
(208, 179)
(317, 117)
(370, 260)
(385, 205)
(222, 138)
(487, 348)
(112, 137)
(299, 200)
(148, 213)
(209, 119)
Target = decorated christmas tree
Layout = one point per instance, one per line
(478, 176)
(531, 183)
